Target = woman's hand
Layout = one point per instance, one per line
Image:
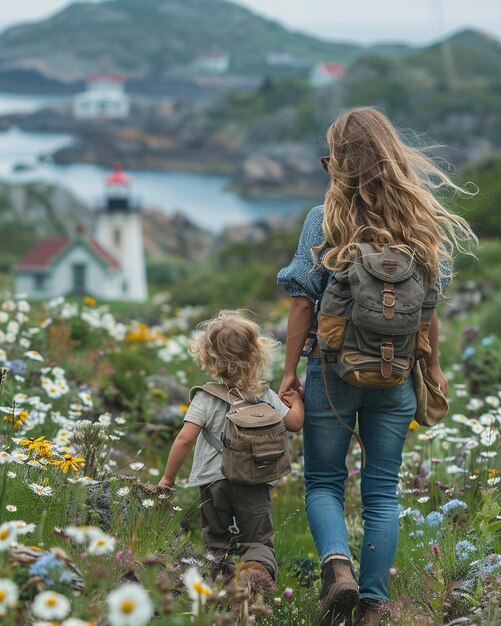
(438, 377)
(290, 381)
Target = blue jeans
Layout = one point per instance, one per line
(384, 416)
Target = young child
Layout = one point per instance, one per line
(236, 518)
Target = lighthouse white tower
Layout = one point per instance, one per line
(119, 230)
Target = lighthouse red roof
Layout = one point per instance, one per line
(118, 176)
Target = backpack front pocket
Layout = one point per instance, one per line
(270, 461)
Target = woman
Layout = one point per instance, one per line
(380, 192)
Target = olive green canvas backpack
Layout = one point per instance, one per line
(254, 445)
(375, 316)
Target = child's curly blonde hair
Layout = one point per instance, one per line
(232, 348)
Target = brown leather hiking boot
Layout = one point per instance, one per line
(254, 580)
(370, 612)
(339, 594)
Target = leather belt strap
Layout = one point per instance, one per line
(387, 356)
(388, 297)
(325, 372)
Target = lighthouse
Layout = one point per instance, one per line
(119, 230)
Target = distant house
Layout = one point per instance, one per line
(105, 98)
(324, 74)
(213, 62)
(108, 265)
(286, 59)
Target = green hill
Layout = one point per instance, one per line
(153, 38)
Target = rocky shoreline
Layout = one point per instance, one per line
(168, 135)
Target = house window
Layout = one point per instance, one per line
(79, 277)
(117, 237)
(125, 286)
(39, 282)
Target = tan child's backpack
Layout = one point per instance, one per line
(254, 444)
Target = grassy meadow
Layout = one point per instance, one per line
(91, 398)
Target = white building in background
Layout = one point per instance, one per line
(105, 98)
(325, 74)
(108, 265)
(213, 62)
(286, 59)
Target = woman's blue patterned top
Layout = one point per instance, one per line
(300, 279)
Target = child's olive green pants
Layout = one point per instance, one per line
(236, 520)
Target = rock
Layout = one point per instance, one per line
(468, 296)
(176, 392)
(175, 235)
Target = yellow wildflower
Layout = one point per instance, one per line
(90, 301)
(17, 420)
(413, 425)
(69, 462)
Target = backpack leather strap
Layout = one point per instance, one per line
(325, 372)
(387, 356)
(389, 297)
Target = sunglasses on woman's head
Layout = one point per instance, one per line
(324, 160)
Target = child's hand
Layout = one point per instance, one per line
(291, 396)
(166, 483)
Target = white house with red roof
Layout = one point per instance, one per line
(105, 98)
(108, 264)
(324, 74)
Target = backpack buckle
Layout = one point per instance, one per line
(387, 351)
(388, 297)
(226, 441)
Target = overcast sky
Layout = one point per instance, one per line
(363, 21)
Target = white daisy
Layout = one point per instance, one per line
(23, 306)
(105, 419)
(33, 354)
(492, 482)
(123, 491)
(8, 594)
(81, 534)
(119, 420)
(3, 356)
(74, 621)
(148, 503)
(22, 528)
(41, 490)
(86, 399)
(136, 466)
(196, 588)
(154, 471)
(58, 372)
(5, 458)
(13, 327)
(11, 474)
(12, 508)
(129, 605)
(8, 535)
(102, 545)
(50, 605)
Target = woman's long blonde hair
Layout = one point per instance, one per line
(233, 349)
(382, 192)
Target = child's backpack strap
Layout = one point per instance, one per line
(221, 392)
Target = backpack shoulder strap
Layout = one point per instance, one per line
(218, 391)
(214, 389)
